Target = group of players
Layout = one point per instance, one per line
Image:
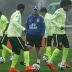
(36, 27)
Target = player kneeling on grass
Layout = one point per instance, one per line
(58, 19)
(14, 33)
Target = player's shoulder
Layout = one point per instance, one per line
(30, 16)
(3, 17)
(48, 15)
(16, 14)
(59, 10)
(40, 16)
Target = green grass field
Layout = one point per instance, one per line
(44, 68)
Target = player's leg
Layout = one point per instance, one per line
(4, 46)
(38, 44)
(58, 44)
(38, 51)
(26, 54)
(11, 56)
(0, 47)
(48, 47)
(65, 50)
(0, 50)
(4, 43)
(30, 44)
(15, 48)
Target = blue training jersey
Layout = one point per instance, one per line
(35, 25)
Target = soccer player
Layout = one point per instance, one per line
(14, 34)
(60, 38)
(1, 34)
(48, 31)
(4, 26)
(36, 28)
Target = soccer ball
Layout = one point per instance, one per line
(61, 66)
(45, 58)
(37, 66)
(2, 60)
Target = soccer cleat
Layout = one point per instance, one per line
(22, 63)
(67, 66)
(29, 68)
(13, 70)
(51, 66)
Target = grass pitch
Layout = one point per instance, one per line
(44, 68)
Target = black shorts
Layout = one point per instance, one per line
(60, 40)
(17, 43)
(4, 39)
(48, 40)
(34, 40)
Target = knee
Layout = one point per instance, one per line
(67, 46)
(37, 49)
(60, 48)
(17, 52)
(26, 48)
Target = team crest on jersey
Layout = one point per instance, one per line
(33, 26)
(16, 16)
(38, 20)
(4, 20)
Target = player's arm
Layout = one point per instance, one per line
(6, 28)
(46, 27)
(54, 17)
(43, 28)
(0, 27)
(15, 22)
(5, 20)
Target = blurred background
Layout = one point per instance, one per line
(9, 6)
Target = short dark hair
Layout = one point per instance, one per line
(0, 12)
(65, 3)
(20, 6)
(43, 10)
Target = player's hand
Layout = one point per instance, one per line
(25, 30)
(62, 28)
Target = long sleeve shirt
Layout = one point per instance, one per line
(4, 22)
(58, 19)
(1, 33)
(49, 26)
(15, 27)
